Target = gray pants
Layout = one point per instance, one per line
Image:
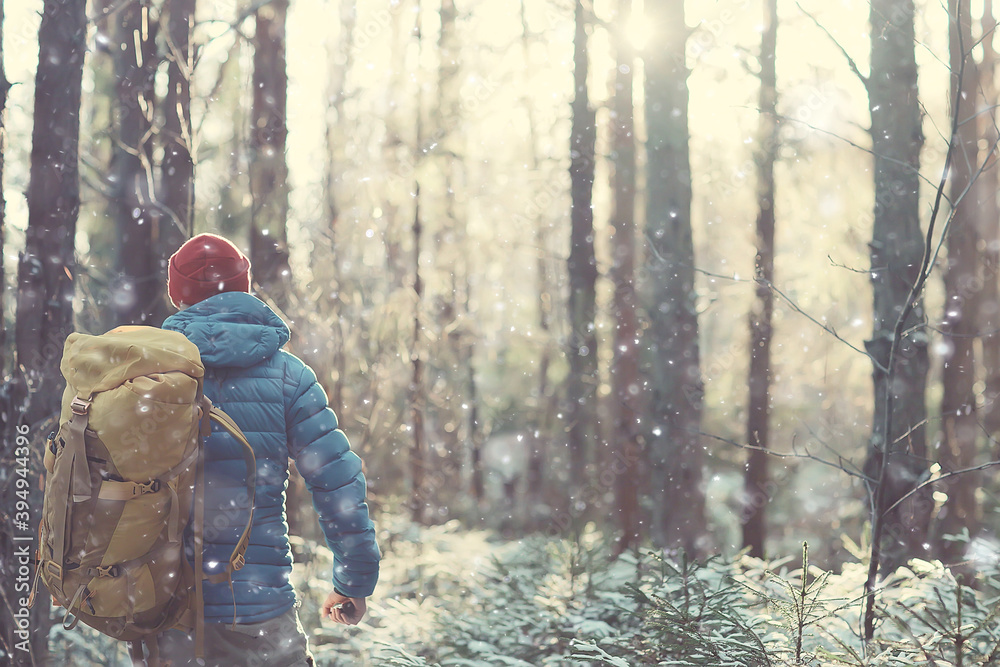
(279, 642)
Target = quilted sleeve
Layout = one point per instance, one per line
(333, 475)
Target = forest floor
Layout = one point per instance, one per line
(453, 597)
(421, 567)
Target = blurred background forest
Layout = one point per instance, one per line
(598, 290)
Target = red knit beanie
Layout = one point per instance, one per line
(205, 266)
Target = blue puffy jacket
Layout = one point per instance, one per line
(275, 399)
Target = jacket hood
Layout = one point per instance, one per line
(232, 329)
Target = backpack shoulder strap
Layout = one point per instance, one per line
(237, 560)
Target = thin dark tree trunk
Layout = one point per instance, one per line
(396, 264)
(987, 185)
(959, 425)
(535, 481)
(98, 146)
(416, 399)
(757, 491)
(139, 286)
(177, 169)
(418, 462)
(268, 169)
(47, 265)
(896, 253)
(341, 61)
(538, 457)
(625, 368)
(269, 256)
(4, 88)
(581, 385)
(233, 219)
(449, 128)
(44, 295)
(672, 360)
(475, 432)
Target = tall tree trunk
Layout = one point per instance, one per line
(341, 61)
(4, 88)
(321, 342)
(757, 493)
(961, 279)
(7, 455)
(460, 338)
(535, 480)
(269, 255)
(268, 170)
(625, 368)
(896, 252)
(418, 501)
(232, 217)
(671, 360)
(139, 285)
(475, 433)
(177, 169)
(47, 265)
(44, 287)
(99, 147)
(987, 185)
(451, 114)
(418, 455)
(581, 385)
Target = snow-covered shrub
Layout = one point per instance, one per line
(451, 597)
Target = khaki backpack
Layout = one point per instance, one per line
(123, 472)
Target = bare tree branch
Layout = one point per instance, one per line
(792, 455)
(825, 327)
(850, 60)
(791, 302)
(860, 148)
(851, 268)
(940, 478)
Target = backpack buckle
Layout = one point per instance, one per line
(54, 569)
(239, 561)
(106, 571)
(80, 406)
(152, 486)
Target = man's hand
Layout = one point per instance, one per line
(342, 609)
